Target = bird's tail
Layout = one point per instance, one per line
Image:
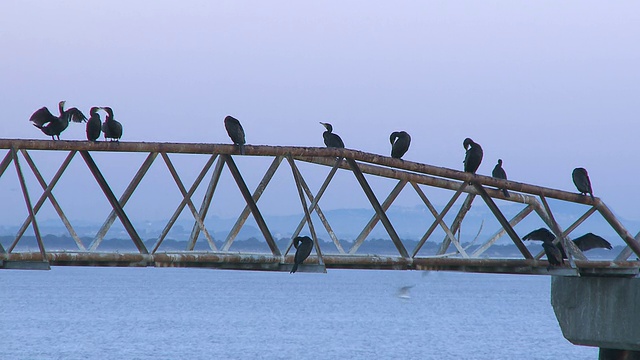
(294, 268)
(241, 146)
(592, 198)
(505, 192)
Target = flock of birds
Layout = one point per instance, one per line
(53, 126)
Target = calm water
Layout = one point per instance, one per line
(128, 313)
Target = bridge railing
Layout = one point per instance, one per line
(451, 253)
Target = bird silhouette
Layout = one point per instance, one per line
(94, 125)
(111, 128)
(473, 156)
(303, 245)
(235, 131)
(400, 141)
(498, 172)
(53, 125)
(330, 138)
(582, 182)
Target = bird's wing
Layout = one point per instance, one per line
(591, 241)
(41, 117)
(541, 234)
(74, 115)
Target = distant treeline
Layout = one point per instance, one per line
(370, 246)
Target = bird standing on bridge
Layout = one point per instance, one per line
(498, 172)
(400, 141)
(111, 128)
(94, 125)
(52, 125)
(582, 182)
(303, 245)
(473, 156)
(331, 139)
(235, 131)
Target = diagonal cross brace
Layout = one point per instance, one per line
(252, 205)
(378, 208)
(457, 221)
(513, 222)
(503, 221)
(114, 202)
(206, 201)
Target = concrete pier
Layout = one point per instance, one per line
(599, 311)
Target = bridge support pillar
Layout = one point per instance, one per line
(599, 311)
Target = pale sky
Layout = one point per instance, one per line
(545, 85)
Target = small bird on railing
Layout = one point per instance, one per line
(498, 172)
(400, 141)
(235, 131)
(331, 139)
(111, 128)
(94, 124)
(52, 125)
(585, 242)
(473, 156)
(582, 182)
(303, 245)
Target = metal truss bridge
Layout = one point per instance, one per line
(451, 255)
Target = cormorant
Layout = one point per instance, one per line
(303, 245)
(111, 128)
(498, 172)
(94, 125)
(581, 179)
(554, 256)
(331, 139)
(585, 242)
(400, 141)
(54, 125)
(235, 131)
(473, 156)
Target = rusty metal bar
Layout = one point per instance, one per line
(206, 202)
(457, 221)
(377, 207)
(263, 150)
(5, 162)
(573, 226)
(52, 199)
(297, 176)
(513, 222)
(235, 230)
(27, 201)
(252, 205)
(113, 201)
(435, 214)
(133, 184)
(438, 219)
(633, 245)
(375, 218)
(503, 221)
(186, 201)
(43, 197)
(314, 206)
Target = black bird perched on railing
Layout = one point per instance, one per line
(585, 242)
(94, 124)
(400, 141)
(111, 128)
(473, 156)
(498, 172)
(331, 139)
(235, 131)
(303, 245)
(52, 125)
(582, 182)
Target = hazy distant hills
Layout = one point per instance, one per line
(409, 222)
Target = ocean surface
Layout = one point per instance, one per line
(148, 313)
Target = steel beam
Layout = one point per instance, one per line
(455, 226)
(378, 208)
(252, 205)
(5, 162)
(513, 222)
(114, 202)
(206, 202)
